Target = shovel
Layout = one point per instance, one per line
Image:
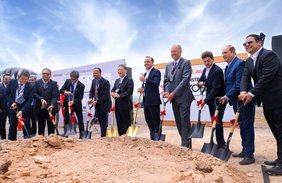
(70, 129)
(112, 132)
(211, 148)
(87, 133)
(52, 119)
(197, 130)
(21, 121)
(225, 153)
(159, 135)
(132, 130)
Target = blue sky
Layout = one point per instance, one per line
(64, 33)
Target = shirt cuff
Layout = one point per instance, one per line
(251, 94)
(226, 97)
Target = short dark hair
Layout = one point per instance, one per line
(98, 68)
(74, 74)
(207, 54)
(47, 70)
(150, 58)
(6, 74)
(256, 37)
(24, 72)
(123, 66)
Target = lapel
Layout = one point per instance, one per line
(210, 72)
(151, 73)
(179, 65)
(230, 67)
(258, 59)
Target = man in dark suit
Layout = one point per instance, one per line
(212, 79)
(265, 67)
(19, 95)
(73, 89)
(33, 117)
(122, 93)
(46, 94)
(100, 97)
(233, 75)
(177, 90)
(3, 105)
(151, 95)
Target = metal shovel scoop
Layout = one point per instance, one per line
(159, 135)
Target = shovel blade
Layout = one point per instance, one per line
(223, 154)
(111, 133)
(197, 130)
(158, 136)
(132, 131)
(207, 148)
(69, 129)
(85, 135)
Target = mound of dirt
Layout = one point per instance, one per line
(119, 159)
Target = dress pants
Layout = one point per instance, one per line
(152, 117)
(102, 115)
(274, 119)
(123, 120)
(3, 118)
(43, 118)
(181, 113)
(246, 123)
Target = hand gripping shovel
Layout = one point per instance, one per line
(52, 119)
(21, 122)
(133, 129)
(159, 135)
(197, 130)
(87, 133)
(112, 132)
(211, 148)
(70, 129)
(225, 153)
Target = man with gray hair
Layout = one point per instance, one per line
(19, 95)
(177, 90)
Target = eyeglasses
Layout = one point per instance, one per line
(247, 43)
(46, 73)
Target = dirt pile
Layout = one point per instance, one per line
(120, 159)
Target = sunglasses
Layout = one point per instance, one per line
(247, 43)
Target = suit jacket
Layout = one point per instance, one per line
(179, 81)
(267, 76)
(214, 83)
(3, 100)
(104, 97)
(28, 94)
(50, 94)
(233, 77)
(78, 94)
(125, 90)
(151, 90)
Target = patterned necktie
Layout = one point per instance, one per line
(96, 89)
(174, 67)
(20, 89)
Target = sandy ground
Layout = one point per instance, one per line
(124, 159)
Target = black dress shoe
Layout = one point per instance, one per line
(247, 161)
(276, 170)
(271, 163)
(238, 155)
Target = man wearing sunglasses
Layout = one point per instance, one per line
(265, 67)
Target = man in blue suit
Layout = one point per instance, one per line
(151, 95)
(19, 95)
(212, 79)
(233, 75)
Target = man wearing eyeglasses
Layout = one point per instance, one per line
(46, 94)
(19, 95)
(233, 75)
(177, 90)
(265, 67)
(73, 90)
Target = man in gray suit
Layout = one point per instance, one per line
(177, 90)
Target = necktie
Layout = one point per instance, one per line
(20, 89)
(72, 87)
(45, 85)
(225, 71)
(96, 89)
(174, 67)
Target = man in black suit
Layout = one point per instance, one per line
(265, 67)
(212, 79)
(122, 93)
(33, 117)
(177, 90)
(100, 97)
(73, 90)
(3, 105)
(151, 95)
(46, 94)
(19, 95)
